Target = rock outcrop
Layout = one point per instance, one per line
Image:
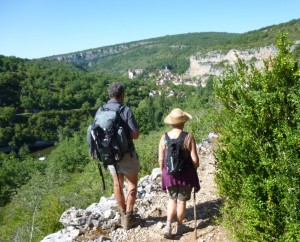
(88, 56)
(213, 63)
(202, 66)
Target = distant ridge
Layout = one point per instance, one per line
(173, 51)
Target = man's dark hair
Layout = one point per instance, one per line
(115, 90)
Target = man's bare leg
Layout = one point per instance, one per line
(118, 191)
(131, 193)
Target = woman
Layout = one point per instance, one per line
(178, 186)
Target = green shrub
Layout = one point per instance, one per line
(258, 158)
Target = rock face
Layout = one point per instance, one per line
(87, 56)
(101, 221)
(203, 66)
(213, 63)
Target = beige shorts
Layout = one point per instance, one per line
(129, 165)
(178, 192)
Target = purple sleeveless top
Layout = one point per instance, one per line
(188, 177)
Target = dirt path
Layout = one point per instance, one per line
(207, 207)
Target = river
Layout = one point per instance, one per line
(43, 152)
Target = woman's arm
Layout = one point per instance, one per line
(161, 151)
(193, 150)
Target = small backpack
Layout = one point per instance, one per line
(106, 137)
(175, 163)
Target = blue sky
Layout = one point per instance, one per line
(39, 28)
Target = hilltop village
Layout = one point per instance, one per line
(204, 66)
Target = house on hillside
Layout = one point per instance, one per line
(166, 75)
(133, 73)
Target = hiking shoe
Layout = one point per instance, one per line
(130, 220)
(168, 232)
(181, 229)
(122, 218)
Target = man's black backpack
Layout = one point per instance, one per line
(175, 163)
(106, 137)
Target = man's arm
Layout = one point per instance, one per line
(132, 124)
(135, 134)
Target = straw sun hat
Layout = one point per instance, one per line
(177, 116)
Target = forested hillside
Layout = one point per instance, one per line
(173, 51)
(45, 100)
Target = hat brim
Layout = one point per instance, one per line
(177, 120)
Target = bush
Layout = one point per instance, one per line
(258, 158)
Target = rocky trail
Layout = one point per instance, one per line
(207, 207)
(100, 221)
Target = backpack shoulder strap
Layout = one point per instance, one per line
(167, 138)
(120, 108)
(182, 136)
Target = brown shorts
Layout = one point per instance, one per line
(178, 192)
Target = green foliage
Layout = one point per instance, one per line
(70, 155)
(47, 218)
(70, 179)
(258, 158)
(14, 173)
(81, 190)
(147, 148)
(266, 35)
(51, 100)
(149, 114)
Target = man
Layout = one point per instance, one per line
(129, 165)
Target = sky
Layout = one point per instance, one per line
(39, 28)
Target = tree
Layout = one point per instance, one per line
(258, 158)
(15, 172)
